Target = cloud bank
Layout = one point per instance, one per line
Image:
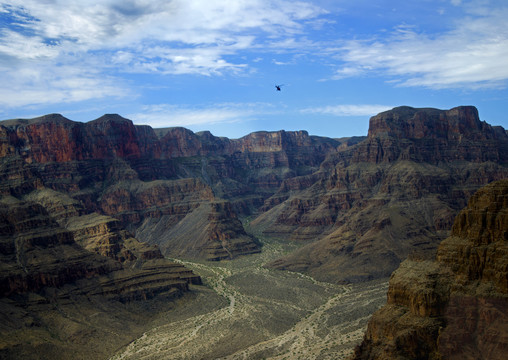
(47, 48)
(471, 54)
(70, 52)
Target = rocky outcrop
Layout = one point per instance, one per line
(360, 204)
(76, 284)
(456, 306)
(139, 175)
(395, 193)
(132, 201)
(433, 135)
(37, 253)
(212, 231)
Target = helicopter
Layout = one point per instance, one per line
(277, 87)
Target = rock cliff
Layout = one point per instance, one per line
(140, 176)
(456, 306)
(360, 205)
(212, 231)
(71, 281)
(372, 204)
(37, 253)
(79, 201)
(89, 210)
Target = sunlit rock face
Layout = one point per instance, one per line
(397, 192)
(90, 210)
(145, 177)
(456, 306)
(360, 204)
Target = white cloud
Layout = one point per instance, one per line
(114, 24)
(348, 110)
(349, 71)
(13, 44)
(473, 54)
(164, 115)
(27, 86)
(133, 36)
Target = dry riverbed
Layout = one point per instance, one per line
(260, 314)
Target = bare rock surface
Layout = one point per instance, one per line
(89, 210)
(393, 194)
(456, 306)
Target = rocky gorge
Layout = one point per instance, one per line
(454, 306)
(93, 212)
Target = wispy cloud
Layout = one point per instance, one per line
(133, 36)
(25, 86)
(348, 110)
(156, 25)
(164, 115)
(473, 54)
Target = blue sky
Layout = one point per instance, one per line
(212, 64)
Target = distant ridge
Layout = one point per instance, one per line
(50, 118)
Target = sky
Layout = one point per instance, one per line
(213, 64)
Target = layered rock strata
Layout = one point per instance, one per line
(37, 253)
(360, 204)
(395, 193)
(212, 232)
(139, 175)
(75, 284)
(456, 306)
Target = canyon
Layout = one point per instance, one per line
(108, 218)
(454, 306)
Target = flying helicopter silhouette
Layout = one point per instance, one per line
(277, 87)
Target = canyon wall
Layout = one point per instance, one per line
(456, 306)
(396, 193)
(89, 210)
(359, 205)
(145, 177)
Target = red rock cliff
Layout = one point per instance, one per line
(134, 172)
(372, 204)
(434, 135)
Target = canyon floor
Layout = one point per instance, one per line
(260, 314)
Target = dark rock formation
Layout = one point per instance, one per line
(394, 193)
(38, 253)
(71, 281)
(212, 231)
(455, 307)
(361, 204)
